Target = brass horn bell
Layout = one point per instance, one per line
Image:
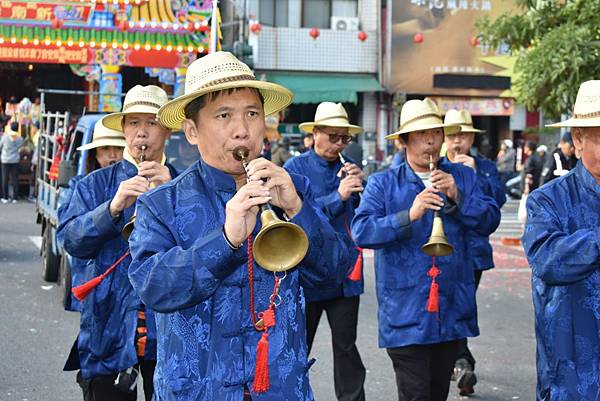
(279, 245)
(438, 244)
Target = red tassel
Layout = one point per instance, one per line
(261, 373)
(433, 304)
(82, 291)
(356, 273)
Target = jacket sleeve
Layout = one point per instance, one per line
(65, 196)
(555, 255)
(475, 210)
(373, 227)
(87, 225)
(168, 277)
(327, 260)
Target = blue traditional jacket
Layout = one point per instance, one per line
(324, 183)
(109, 314)
(562, 243)
(78, 266)
(184, 269)
(480, 252)
(382, 223)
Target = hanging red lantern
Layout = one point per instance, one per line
(362, 36)
(314, 33)
(123, 25)
(474, 41)
(56, 23)
(418, 38)
(256, 28)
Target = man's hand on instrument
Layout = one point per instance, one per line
(156, 173)
(353, 169)
(242, 209)
(349, 185)
(279, 182)
(466, 160)
(127, 194)
(444, 182)
(428, 199)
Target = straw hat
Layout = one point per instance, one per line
(586, 112)
(215, 72)
(139, 99)
(104, 137)
(462, 118)
(419, 115)
(330, 114)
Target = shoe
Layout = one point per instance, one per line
(4, 200)
(465, 377)
(14, 201)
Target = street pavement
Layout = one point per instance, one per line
(36, 333)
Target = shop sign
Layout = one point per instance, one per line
(476, 106)
(28, 11)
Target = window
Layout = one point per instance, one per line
(273, 12)
(318, 13)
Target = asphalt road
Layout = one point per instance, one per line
(36, 333)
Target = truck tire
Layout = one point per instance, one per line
(50, 261)
(65, 282)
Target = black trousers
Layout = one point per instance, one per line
(101, 388)
(10, 176)
(463, 348)
(348, 370)
(423, 371)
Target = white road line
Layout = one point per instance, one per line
(37, 241)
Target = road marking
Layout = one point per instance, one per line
(37, 241)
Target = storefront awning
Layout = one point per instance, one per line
(325, 87)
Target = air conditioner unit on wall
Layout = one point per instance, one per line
(344, 23)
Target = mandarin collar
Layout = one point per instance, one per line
(322, 162)
(589, 182)
(216, 178)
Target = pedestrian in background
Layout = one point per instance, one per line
(561, 243)
(336, 185)
(10, 146)
(533, 166)
(562, 160)
(506, 161)
(282, 153)
(479, 250)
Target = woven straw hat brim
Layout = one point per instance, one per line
(276, 98)
(113, 120)
(104, 142)
(467, 129)
(577, 122)
(308, 127)
(449, 129)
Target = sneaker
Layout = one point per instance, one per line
(465, 377)
(14, 201)
(4, 200)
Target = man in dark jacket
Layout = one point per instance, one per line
(117, 333)
(479, 250)
(562, 161)
(336, 184)
(533, 166)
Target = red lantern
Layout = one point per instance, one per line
(418, 38)
(362, 36)
(123, 25)
(56, 23)
(474, 41)
(314, 33)
(256, 28)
